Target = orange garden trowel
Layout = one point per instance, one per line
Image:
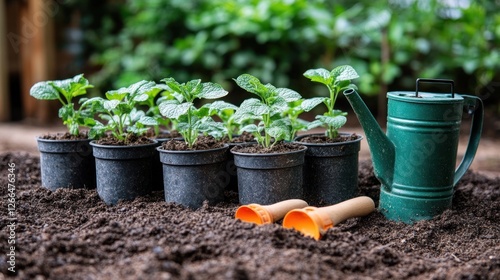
(267, 214)
(314, 222)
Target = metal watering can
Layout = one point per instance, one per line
(415, 161)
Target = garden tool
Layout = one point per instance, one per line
(415, 161)
(314, 222)
(267, 214)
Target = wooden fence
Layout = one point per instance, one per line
(26, 56)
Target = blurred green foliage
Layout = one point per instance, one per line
(390, 43)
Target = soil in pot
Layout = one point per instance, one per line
(66, 161)
(330, 168)
(194, 175)
(269, 175)
(71, 234)
(124, 169)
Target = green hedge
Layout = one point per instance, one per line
(390, 43)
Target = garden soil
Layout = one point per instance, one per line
(72, 234)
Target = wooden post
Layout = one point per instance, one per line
(4, 71)
(37, 56)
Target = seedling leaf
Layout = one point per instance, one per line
(344, 73)
(252, 85)
(309, 104)
(288, 95)
(173, 110)
(319, 75)
(212, 91)
(44, 91)
(335, 122)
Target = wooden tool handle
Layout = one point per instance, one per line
(356, 207)
(279, 210)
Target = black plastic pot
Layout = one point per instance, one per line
(66, 164)
(191, 177)
(158, 167)
(269, 178)
(231, 168)
(330, 171)
(124, 172)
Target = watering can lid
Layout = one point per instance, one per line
(427, 97)
(424, 97)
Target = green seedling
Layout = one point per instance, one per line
(336, 81)
(119, 111)
(152, 103)
(191, 120)
(65, 91)
(297, 107)
(225, 111)
(266, 110)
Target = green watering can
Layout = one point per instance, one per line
(415, 161)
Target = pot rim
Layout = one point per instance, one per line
(39, 139)
(268, 154)
(94, 144)
(161, 150)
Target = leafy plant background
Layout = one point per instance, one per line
(390, 43)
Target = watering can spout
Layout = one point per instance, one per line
(381, 148)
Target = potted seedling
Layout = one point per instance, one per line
(160, 131)
(153, 111)
(269, 171)
(295, 108)
(193, 168)
(226, 112)
(124, 156)
(66, 160)
(331, 164)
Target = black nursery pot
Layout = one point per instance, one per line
(66, 164)
(158, 167)
(124, 172)
(269, 178)
(231, 168)
(330, 171)
(191, 177)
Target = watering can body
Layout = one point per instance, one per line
(415, 160)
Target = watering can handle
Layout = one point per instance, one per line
(475, 108)
(438, 81)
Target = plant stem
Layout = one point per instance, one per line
(120, 127)
(229, 131)
(332, 133)
(189, 131)
(267, 138)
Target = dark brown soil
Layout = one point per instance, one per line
(322, 139)
(131, 140)
(202, 143)
(65, 136)
(72, 234)
(242, 138)
(277, 148)
(164, 134)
